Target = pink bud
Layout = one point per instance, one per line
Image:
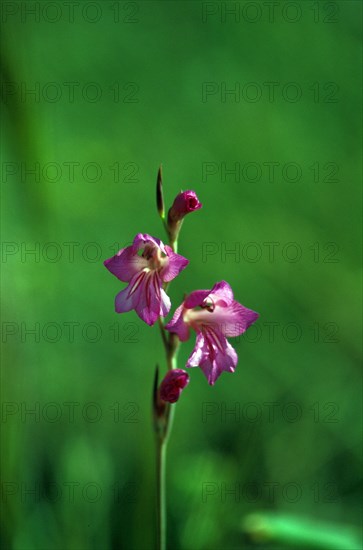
(184, 203)
(173, 384)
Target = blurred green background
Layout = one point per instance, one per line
(118, 88)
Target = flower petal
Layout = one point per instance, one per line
(232, 320)
(165, 303)
(125, 264)
(221, 293)
(198, 353)
(148, 304)
(123, 301)
(213, 354)
(128, 298)
(175, 264)
(223, 362)
(177, 325)
(196, 298)
(143, 294)
(143, 239)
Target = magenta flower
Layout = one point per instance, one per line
(213, 314)
(173, 384)
(145, 265)
(184, 203)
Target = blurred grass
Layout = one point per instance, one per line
(169, 53)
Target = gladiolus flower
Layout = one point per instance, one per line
(145, 265)
(184, 203)
(213, 314)
(173, 384)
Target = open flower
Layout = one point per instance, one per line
(213, 314)
(173, 384)
(145, 265)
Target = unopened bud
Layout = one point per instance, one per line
(173, 384)
(184, 203)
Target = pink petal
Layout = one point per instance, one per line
(148, 305)
(143, 239)
(213, 354)
(129, 297)
(165, 303)
(123, 302)
(125, 264)
(223, 362)
(196, 298)
(145, 296)
(198, 352)
(232, 320)
(177, 325)
(174, 266)
(221, 292)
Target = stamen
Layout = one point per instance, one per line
(208, 304)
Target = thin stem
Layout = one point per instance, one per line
(160, 492)
(174, 246)
(163, 335)
(171, 345)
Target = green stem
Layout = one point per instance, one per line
(171, 345)
(174, 246)
(163, 335)
(171, 349)
(160, 494)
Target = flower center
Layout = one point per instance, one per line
(208, 304)
(156, 259)
(200, 316)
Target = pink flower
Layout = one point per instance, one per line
(145, 265)
(184, 203)
(173, 384)
(213, 314)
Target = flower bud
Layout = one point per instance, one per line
(173, 384)
(184, 203)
